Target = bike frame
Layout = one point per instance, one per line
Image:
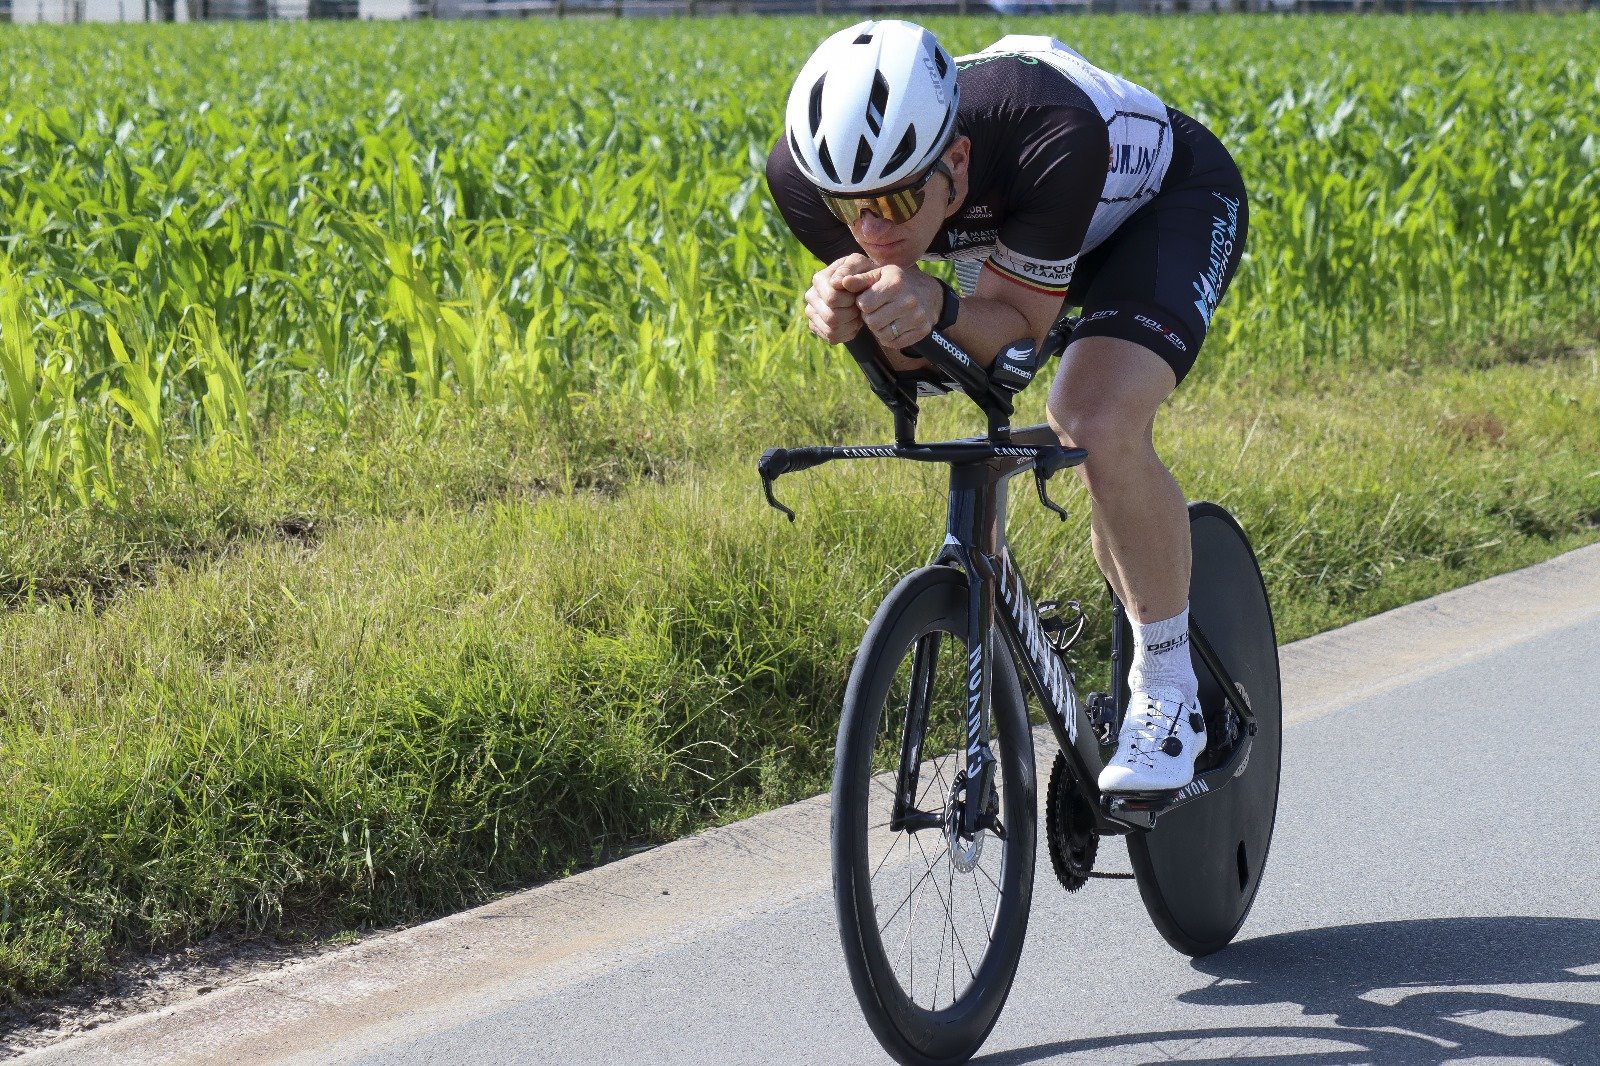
(975, 542)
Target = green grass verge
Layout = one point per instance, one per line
(484, 658)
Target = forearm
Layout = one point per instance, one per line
(983, 327)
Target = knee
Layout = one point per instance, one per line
(1102, 429)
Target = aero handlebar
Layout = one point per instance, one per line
(993, 389)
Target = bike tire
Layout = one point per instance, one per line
(1199, 869)
(929, 601)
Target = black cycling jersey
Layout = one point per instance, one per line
(1069, 160)
(1062, 152)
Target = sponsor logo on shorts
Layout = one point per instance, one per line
(1098, 315)
(1224, 232)
(1172, 338)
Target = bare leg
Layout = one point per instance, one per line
(1105, 399)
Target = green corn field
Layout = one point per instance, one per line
(235, 224)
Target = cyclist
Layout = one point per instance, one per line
(1048, 182)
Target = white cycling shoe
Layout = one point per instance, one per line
(1161, 738)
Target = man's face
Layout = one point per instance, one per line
(902, 244)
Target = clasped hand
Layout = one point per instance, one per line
(897, 305)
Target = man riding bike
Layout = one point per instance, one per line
(1049, 182)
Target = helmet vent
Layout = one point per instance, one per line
(877, 104)
(943, 137)
(865, 38)
(816, 105)
(827, 162)
(863, 160)
(902, 152)
(941, 61)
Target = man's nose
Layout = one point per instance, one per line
(874, 228)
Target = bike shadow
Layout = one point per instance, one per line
(1415, 992)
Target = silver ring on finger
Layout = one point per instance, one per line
(894, 329)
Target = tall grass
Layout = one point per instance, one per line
(429, 707)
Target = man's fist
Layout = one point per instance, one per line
(831, 308)
(898, 304)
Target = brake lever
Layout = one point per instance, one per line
(775, 462)
(1045, 466)
(1039, 478)
(766, 485)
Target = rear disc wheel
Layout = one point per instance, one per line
(1199, 868)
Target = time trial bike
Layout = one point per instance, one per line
(934, 800)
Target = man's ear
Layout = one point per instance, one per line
(960, 152)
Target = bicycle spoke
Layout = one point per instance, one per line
(977, 890)
(938, 966)
(950, 921)
(886, 855)
(925, 875)
(911, 922)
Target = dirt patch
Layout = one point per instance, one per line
(99, 588)
(297, 529)
(1478, 427)
(147, 983)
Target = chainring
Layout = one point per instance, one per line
(1069, 828)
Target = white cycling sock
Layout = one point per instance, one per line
(1161, 656)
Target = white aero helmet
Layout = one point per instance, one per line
(873, 107)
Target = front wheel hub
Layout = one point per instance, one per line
(965, 851)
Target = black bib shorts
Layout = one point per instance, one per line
(1158, 278)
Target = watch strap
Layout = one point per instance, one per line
(950, 309)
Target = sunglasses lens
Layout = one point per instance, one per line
(846, 211)
(895, 207)
(901, 206)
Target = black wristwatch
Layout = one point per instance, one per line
(951, 308)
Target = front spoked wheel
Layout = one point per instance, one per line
(932, 920)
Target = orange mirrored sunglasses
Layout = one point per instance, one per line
(896, 206)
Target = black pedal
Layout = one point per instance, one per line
(1062, 623)
(1140, 808)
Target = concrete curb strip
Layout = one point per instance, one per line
(464, 965)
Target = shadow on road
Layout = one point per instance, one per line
(1428, 991)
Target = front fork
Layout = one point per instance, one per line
(980, 691)
(980, 763)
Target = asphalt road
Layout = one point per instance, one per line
(1432, 896)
